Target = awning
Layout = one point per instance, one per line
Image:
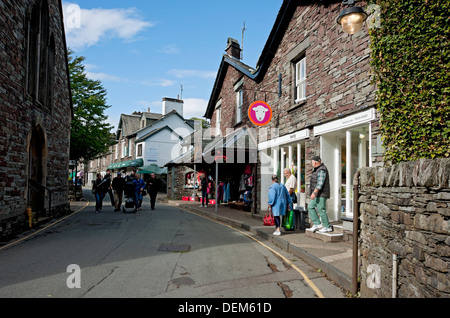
(153, 168)
(127, 164)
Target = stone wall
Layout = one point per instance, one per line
(405, 210)
(176, 182)
(29, 126)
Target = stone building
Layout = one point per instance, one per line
(316, 79)
(35, 112)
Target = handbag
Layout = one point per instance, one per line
(269, 220)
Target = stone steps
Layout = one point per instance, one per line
(333, 237)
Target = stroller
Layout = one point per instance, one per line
(130, 204)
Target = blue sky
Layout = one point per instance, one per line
(143, 50)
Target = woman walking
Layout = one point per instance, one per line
(279, 200)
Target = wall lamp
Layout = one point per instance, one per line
(352, 19)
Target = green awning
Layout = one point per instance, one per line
(127, 164)
(153, 168)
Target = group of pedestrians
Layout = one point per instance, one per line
(116, 187)
(282, 197)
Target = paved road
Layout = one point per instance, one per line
(121, 255)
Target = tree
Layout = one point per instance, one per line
(90, 134)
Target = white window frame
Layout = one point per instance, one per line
(239, 104)
(300, 80)
(218, 116)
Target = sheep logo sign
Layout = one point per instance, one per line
(260, 113)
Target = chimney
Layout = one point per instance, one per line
(233, 48)
(171, 104)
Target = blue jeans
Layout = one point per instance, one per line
(99, 201)
(138, 199)
(205, 199)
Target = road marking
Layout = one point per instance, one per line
(305, 277)
(43, 229)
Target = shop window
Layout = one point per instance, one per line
(189, 180)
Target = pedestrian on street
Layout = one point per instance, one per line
(279, 200)
(118, 185)
(291, 185)
(154, 185)
(99, 189)
(139, 187)
(204, 186)
(109, 190)
(320, 192)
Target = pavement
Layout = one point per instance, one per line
(332, 259)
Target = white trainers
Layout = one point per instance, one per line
(326, 230)
(316, 227)
(276, 233)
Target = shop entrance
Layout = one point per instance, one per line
(344, 152)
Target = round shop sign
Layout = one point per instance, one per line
(260, 113)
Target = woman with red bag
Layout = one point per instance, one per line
(279, 200)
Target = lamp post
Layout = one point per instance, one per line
(352, 19)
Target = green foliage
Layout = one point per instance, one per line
(410, 59)
(90, 134)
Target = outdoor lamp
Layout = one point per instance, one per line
(352, 19)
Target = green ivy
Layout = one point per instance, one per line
(410, 59)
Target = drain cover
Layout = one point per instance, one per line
(174, 248)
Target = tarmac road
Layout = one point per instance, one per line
(121, 255)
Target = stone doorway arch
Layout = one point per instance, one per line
(37, 170)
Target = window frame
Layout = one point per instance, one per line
(300, 79)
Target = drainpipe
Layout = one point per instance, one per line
(394, 275)
(355, 232)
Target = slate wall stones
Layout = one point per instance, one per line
(35, 110)
(405, 210)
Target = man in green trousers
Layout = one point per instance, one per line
(320, 192)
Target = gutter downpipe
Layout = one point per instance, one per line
(394, 275)
(355, 232)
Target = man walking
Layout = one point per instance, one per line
(291, 185)
(118, 185)
(320, 192)
(154, 184)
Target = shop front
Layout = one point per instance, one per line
(278, 154)
(345, 147)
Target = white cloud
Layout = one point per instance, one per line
(102, 77)
(194, 107)
(192, 73)
(86, 28)
(170, 49)
(161, 82)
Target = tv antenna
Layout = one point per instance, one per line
(242, 46)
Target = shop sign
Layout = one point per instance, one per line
(350, 121)
(260, 113)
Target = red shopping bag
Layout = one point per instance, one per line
(269, 220)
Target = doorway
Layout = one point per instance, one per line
(344, 152)
(37, 160)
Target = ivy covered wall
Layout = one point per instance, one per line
(410, 60)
